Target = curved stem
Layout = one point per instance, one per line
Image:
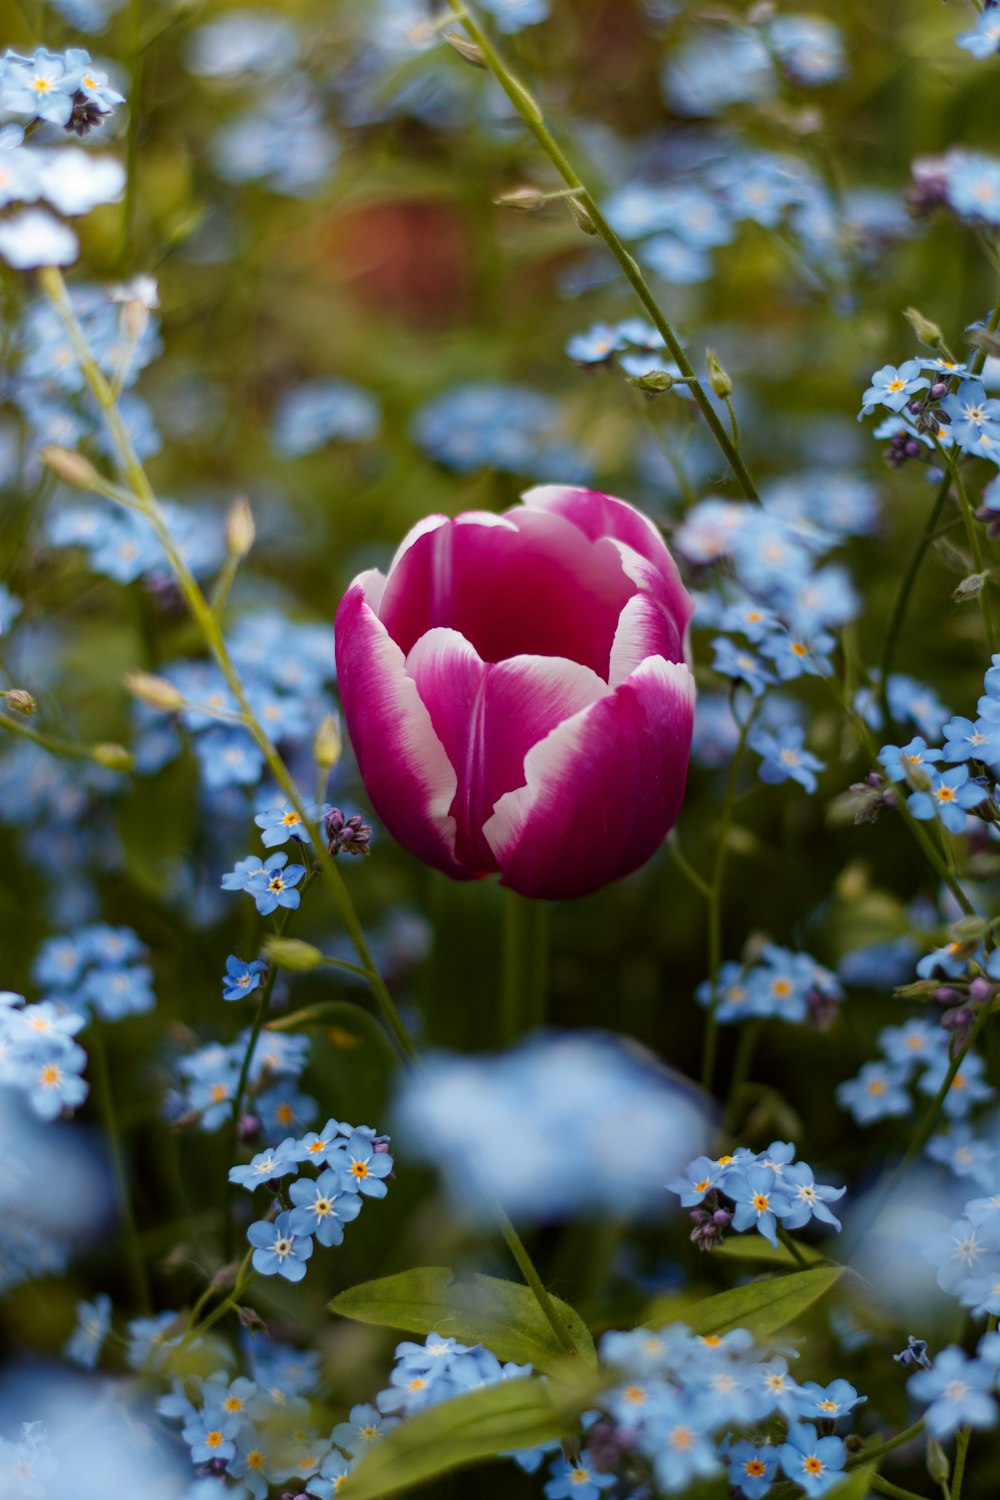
(136, 1261)
(530, 111)
(870, 1455)
(883, 1487)
(901, 605)
(974, 536)
(961, 1453)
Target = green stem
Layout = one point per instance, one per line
(136, 56)
(792, 1247)
(683, 864)
(993, 323)
(884, 1487)
(974, 535)
(715, 903)
(133, 1247)
(871, 1455)
(524, 965)
(901, 605)
(527, 1268)
(961, 1453)
(65, 748)
(244, 1278)
(530, 111)
(749, 1032)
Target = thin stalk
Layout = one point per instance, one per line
(530, 111)
(961, 1453)
(244, 1277)
(527, 1268)
(133, 1246)
(792, 1248)
(524, 965)
(687, 869)
(715, 903)
(884, 1487)
(66, 748)
(871, 1455)
(901, 605)
(974, 535)
(749, 1033)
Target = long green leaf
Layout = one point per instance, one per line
(503, 1315)
(764, 1307)
(496, 1419)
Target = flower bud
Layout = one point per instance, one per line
(72, 467)
(327, 745)
(938, 1466)
(580, 214)
(718, 378)
(980, 990)
(654, 381)
(292, 953)
(970, 588)
(240, 528)
(468, 50)
(928, 333)
(21, 701)
(157, 692)
(528, 199)
(112, 757)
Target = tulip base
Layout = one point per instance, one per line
(524, 968)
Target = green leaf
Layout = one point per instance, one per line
(755, 1247)
(857, 1485)
(495, 1419)
(503, 1315)
(763, 1307)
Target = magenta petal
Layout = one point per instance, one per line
(645, 628)
(488, 716)
(602, 790)
(405, 769)
(597, 515)
(527, 584)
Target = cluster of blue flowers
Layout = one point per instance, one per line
(508, 427)
(353, 1163)
(286, 668)
(38, 1055)
(966, 1257)
(752, 1190)
(98, 969)
(934, 405)
(50, 93)
(984, 38)
(774, 982)
(310, 416)
(208, 1078)
(692, 1407)
(965, 182)
(573, 1103)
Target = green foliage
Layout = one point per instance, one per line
(764, 1307)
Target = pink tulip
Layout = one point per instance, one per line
(517, 694)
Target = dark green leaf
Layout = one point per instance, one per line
(856, 1486)
(754, 1247)
(503, 1315)
(764, 1307)
(496, 1419)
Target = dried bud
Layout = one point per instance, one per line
(468, 50)
(156, 691)
(928, 333)
(240, 529)
(20, 700)
(718, 378)
(292, 953)
(654, 381)
(527, 199)
(251, 1321)
(72, 467)
(580, 214)
(347, 835)
(970, 588)
(980, 990)
(225, 1276)
(327, 745)
(112, 757)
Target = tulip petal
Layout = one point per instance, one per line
(405, 769)
(645, 628)
(602, 790)
(488, 716)
(526, 584)
(597, 515)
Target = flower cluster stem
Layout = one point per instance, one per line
(530, 111)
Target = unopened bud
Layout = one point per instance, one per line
(20, 700)
(240, 529)
(112, 757)
(133, 321)
(718, 378)
(938, 1466)
(469, 51)
(654, 381)
(328, 744)
(292, 953)
(225, 1276)
(251, 1320)
(156, 691)
(72, 467)
(970, 588)
(969, 931)
(528, 199)
(580, 214)
(928, 333)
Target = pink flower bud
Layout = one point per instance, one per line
(517, 691)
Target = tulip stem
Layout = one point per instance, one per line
(530, 111)
(524, 966)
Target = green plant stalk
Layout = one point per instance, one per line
(974, 535)
(530, 111)
(792, 1248)
(884, 1487)
(749, 1033)
(715, 903)
(871, 1455)
(54, 287)
(133, 1246)
(64, 748)
(961, 1453)
(524, 966)
(244, 1278)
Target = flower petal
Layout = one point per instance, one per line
(645, 628)
(405, 769)
(525, 584)
(597, 515)
(488, 716)
(602, 790)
